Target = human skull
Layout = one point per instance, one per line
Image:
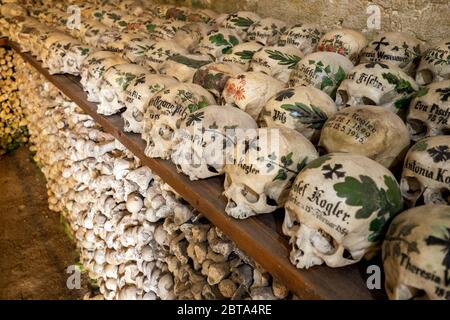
(135, 49)
(371, 131)
(240, 21)
(214, 76)
(266, 31)
(52, 38)
(113, 86)
(415, 254)
(304, 109)
(435, 64)
(218, 42)
(338, 208)
(302, 36)
(376, 83)
(115, 40)
(266, 161)
(183, 67)
(138, 95)
(322, 70)
(56, 54)
(426, 172)
(189, 35)
(92, 70)
(202, 15)
(166, 110)
(242, 54)
(93, 33)
(346, 42)
(160, 52)
(397, 48)
(250, 91)
(429, 111)
(276, 61)
(166, 30)
(74, 58)
(205, 140)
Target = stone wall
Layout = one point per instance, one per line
(428, 20)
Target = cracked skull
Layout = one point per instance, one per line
(266, 161)
(346, 42)
(337, 210)
(435, 64)
(302, 36)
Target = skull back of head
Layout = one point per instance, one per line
(160, 52)
(302, 36)
(214, 76)
(183, 67)
(93, 32)
(426, 172)
(250, 91)
(57, 53)
(189, 35)
(370, 131)
(206, 140)
(429, 111)
(377, 83)
(397, 48)
(266, 31)
(322, 70)
(114, 84)
(218, 42)
(74, 58)
(138, 94)
(242, 54)
(304, 109)
(166, 110)
(337, 209)
(135, 49)
(166, 30)
(435, 64)
(266, 161)
(276, 61)
(240, 21)
(346, 42)
(415, 254)
(53, 38)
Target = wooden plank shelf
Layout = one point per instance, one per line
(259, 237)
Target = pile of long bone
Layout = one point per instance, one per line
(135, 237)
(361, 102)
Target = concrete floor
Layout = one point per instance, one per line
(34, 249)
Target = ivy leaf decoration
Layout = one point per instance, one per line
(401, 85)
(123, 24)
(339, 76)
(421, 92)
(283, 59)
(287, 159)
(83, 51)
(420, 146)
(242, 22)
(316, 163)
(192, 63)
(311, 116)
(302, 164)
(281, 175)
(245, 54)
(150, 27)
(285, 94)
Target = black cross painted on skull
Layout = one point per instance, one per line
(380, 43)
(445, 242)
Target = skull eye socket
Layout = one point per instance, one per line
(341, 97)
(271, 202)
(250, 194)
(165, 132)
(445, 194)
(424, 77)
(418, 128)
(368, 101)
(347, 255)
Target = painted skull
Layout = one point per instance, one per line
(425, 176)
(135, 49)
(138, 94)
(57, 53)
(304, 109)
(266, 31)
(250, 91)
(377, 83)
(93, 32)
(346, 42)
(74, 58)
(189, 35)
(302, 36)
(183, 67)
(242, 54)
(416, 254)
(266, 161)
(166, 30)
(160, 52)
(166, 110)
(218, 42)
(206, 138)
(240, 21)
(435, 64)
(429, 111)
(397, 48)
(371, 131)
(323, 70)
(337, 210)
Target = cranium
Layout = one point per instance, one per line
(242, 54)
(114, 40)
(93, 33)
(51, 39)
(166, 30)
(214, 76)
(205, 140)
(266, 161)
(202, 15)
(376, 83)
(304, 109)
(160, 52)
(323, 70)
(302, 36)
(425, 172)
(218, 42)
(240, 21)
(113, 86)
(266, 31)
(137, 97)
(57, 52)
(166, 110)
(397, 48)
(135, 49)
(177, 13)
(435, 64)
(415, 254)
(276, 61)
(429, 111)
(110, 17)
(92, 70)
(74, 57)
(183, 67)
(337, 210)
(250, 91)
(346, 42)
(371, 131)
(189, 35)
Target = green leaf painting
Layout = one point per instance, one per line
(283, 59)
(242, 22)
(219, 40)
(420, 146)
(311, 116)
(245, 54)
(192, 63)
(316, 163)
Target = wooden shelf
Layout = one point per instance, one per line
(259, 237)
(3, 41)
